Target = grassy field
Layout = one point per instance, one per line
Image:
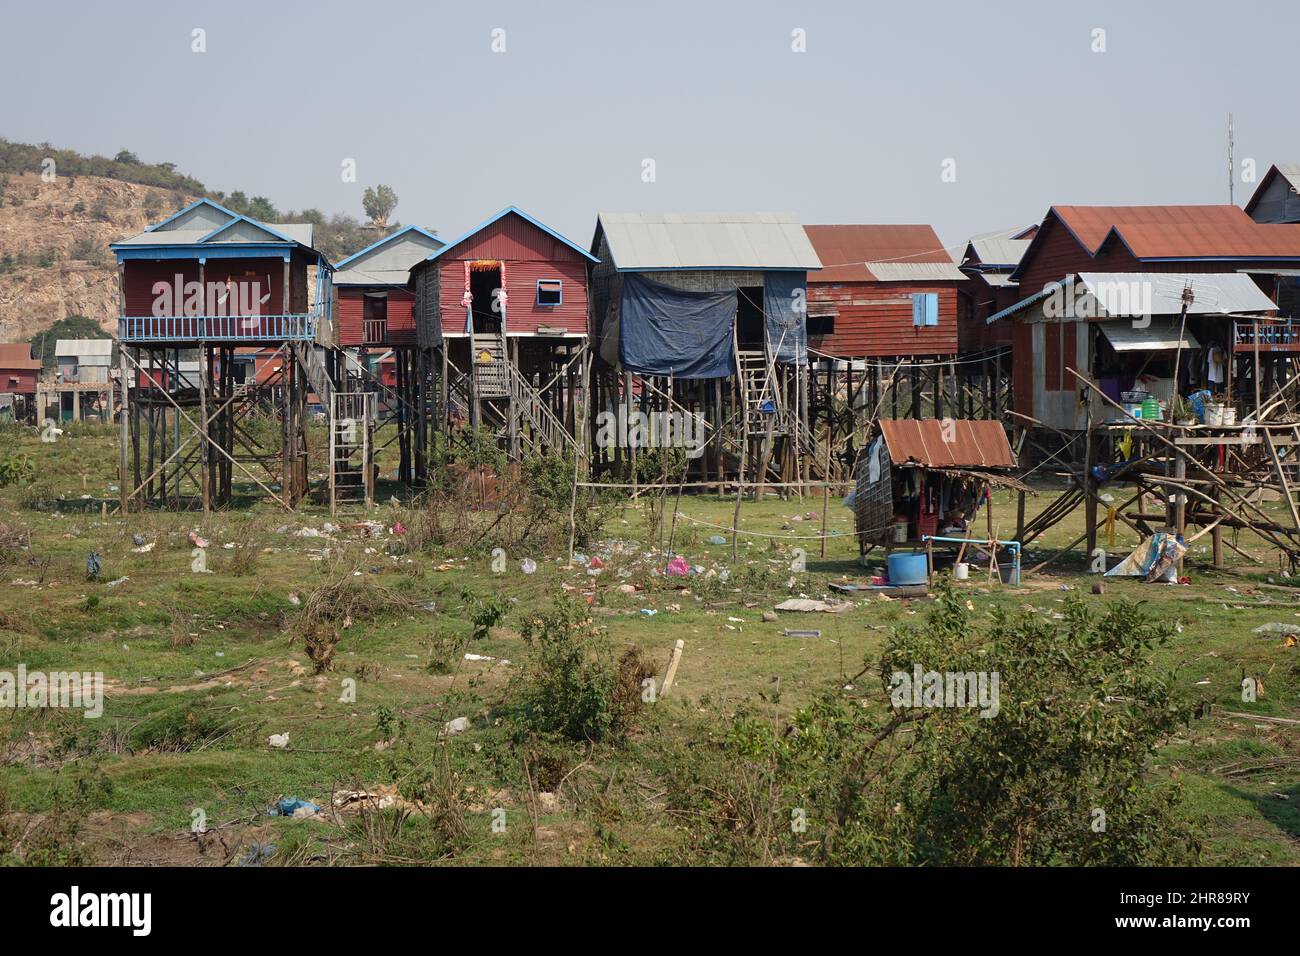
(203, 667)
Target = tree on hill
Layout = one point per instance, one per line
(73, 327)
(378, 203)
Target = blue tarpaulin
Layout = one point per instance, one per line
(667, 331)
(785, 297)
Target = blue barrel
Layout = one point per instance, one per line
(907, 569)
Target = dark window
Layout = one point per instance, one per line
(821, 325)
(550, 291)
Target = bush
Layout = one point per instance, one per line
(571, 688)
(16, 469)
(1079, 715)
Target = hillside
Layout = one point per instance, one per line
(54, 237)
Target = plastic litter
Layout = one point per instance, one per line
(1277, 627)
(455, 726)
(293, 807)
(677, 567)
(528, 566)
(278, 741)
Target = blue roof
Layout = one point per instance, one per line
(523, 215)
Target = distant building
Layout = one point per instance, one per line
(1090, 271)
(83, 383)
(19, 373)
(1277, 197)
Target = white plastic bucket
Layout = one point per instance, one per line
(961, 571)
(1229, 415)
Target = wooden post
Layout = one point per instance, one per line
(672, 668)
(204, 465)
(1089, 483)
(124, 438)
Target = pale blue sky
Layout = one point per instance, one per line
(853, 130)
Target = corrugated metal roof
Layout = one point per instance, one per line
(388, 261)
(914, 272)
(1160, 334)
(208, 222)
(83, 347)
(1160, 293)
(375, 277)
(1091, 224)
(662, 241)
(1290, 172)
(951, 443)
(845, 250)
(17, 355)
(1212, 241)
(998, 280)
(998, 251)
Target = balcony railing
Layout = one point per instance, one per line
(217, 328)
(1275, 336)
(374, 331)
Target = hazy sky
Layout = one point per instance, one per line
(855, 129)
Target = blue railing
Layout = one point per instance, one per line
(1272, 334)
(217, 328)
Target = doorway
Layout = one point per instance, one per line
(483, 286)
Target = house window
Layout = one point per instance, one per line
(550, 292)
(821, 325)
(925, 308)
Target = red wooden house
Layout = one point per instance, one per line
(374, 305)
(1150, 253)
(208, 279)
(884, 294)
(508, 299)
(988, 262)
(19, 373)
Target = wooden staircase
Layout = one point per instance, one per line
(491, 365)
(762, 399)
(352, 425)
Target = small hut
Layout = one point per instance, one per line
(923, 478)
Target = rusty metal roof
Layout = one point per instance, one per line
(846, 251)
(947, 443)
(1092, 224)
(15, 355)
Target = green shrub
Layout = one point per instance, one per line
(571, 687)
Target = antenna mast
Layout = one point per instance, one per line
(1231, 166)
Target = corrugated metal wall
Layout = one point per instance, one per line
(530, 254)
(875, 319)
(140, 277)
(351, 313)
